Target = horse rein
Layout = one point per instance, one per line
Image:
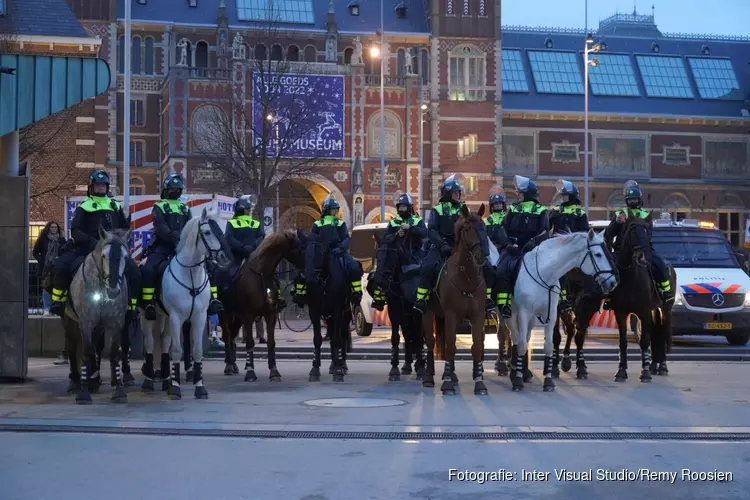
(477, 266)
(119, 280)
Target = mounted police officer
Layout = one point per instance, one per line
(526, 225)
(568, 217)
(334, 235)
(496, 232)
(169, 217)
(95, 211)
(406, 227)
(634, 203)
(244, 234)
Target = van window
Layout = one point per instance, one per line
(694, 247)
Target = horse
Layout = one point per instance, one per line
(183, 301)
(98, 306)
(635, 275)
(459, 295)
(567, 320)
(253, 295)
(399, 285)
(329, 297)
(535, 296)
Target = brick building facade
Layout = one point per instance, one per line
(519, 96)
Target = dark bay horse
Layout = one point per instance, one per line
(459, 295)
(567, 321)
(329, 296)
(399, 284)
(254, 294)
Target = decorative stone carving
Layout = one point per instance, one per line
(331, 53)
(238, 47)
(357, 55)
(411, 54)
(182, 46)
(359, 211)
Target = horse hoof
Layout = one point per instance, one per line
(566, 364)
(314, 378)
(274, 375)
(250, 376)
(346, 369)
(663, 369)
(394, 375)
(549, 385)
(653, 368)
(518, 387)
(454, 377)
(621, 375)
(228, 369)
(646, 376)
(74, 387)
(128, 380)
(235, 368)
(175, 392)
(94, 385)
(406, 370)
(189, 376)
(157, 374)
(200, 392)
(119, 395)
(338, 377)
(480, 389)
(165, 385)
(582, 375)
(501, 368)
(83, 398)
(330, 369)
(147, 385)
(527, 376)
(448, 387)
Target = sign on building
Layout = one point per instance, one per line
(747, 233)
(304, 113)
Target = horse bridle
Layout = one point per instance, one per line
(597, 270)
(99, 266)
(477, 266)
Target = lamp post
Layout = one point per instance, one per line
(588, 47)
(423, 111)
(126, 114)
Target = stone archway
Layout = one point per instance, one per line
(302, 197)
(373, 216)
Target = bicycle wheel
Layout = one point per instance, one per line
(294, 317)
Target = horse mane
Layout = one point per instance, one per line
(115, 235)
(272, 240)
(565, 237)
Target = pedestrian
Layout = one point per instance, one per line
(260, 330)
(214, 333)
(46, 249)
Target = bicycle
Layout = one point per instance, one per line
(293, 316)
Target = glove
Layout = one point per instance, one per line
(337, 251)
(529, 246)
(445, 251)
(512, 249)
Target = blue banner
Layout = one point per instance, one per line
(304, 114)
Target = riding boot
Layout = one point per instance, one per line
(564, 304)
(300, 293)
(149, 311)
(214, 307)
(423, 295)
(280, 302)
(489, 303)
(59, 297)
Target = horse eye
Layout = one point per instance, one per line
(598, 254)
(207, 233)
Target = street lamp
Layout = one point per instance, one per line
(423, 112)
(589, 47)
(376, 51)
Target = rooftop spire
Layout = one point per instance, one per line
(330, 7)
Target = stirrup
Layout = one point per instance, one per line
(150, 312)
(57, 308)
(378, 304)
(214, 307)
(505, 311)
(489, 305)
(420, 306)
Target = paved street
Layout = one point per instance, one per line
(696, 397)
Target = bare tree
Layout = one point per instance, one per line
(257, 137)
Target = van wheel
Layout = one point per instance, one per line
(738, 338)
(361, 326)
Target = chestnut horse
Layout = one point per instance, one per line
(459, 295)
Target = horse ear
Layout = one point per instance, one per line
(465, 210)
(204, 214)
(481, 211)
(650, 216)
(102, 233)
(592, 234)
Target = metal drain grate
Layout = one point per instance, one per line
(384, 436)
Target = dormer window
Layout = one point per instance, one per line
(192, 3)
(401, 10)
(2, 7)
(354, 8)
(142, 2)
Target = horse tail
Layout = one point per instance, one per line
(439, 328)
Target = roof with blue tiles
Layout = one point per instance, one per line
(303, 15)
(40, 18)
(637, 70)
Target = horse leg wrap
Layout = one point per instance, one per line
(116, 376)
(148, 367)
(519, 363)
(547, 366)
(175, 375)
(394, 355)
(198, 374)
(249, 360)
(478, 371)
(645, 359)
(447, 371)
(164, 368)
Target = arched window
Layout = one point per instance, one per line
(311, 54)
(424, 66)
(467, 68)
(261, 54)
(292, 53)
(277, 53)
(136, 56)
(137, 186)
(400, 62)
(148, 59)
(678, 205)
(209, 125)
(121, 54)
(393, 136)
(201, 55)
(348, 55)
(372, 63)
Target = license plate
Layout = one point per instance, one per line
(717, 326)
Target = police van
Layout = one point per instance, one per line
(713, 286)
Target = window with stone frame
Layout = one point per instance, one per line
(137, 112)
(565, 152)
(137, 153)
(676, 155)
(467, 69)
(731, 219)
(393, 136)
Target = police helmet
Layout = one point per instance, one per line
(497, 195)
(567, 188)
(99, 177)
(406, 199)
(244, 202)
(174, 181)
(526, 186)
(330, 205)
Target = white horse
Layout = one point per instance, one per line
(185, 294)
(537, 290)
